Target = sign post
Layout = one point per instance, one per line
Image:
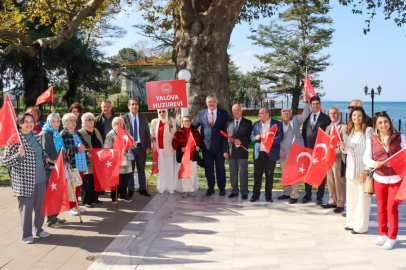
(167, 95)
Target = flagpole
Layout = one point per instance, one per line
(116, 196)
(15, 124)
(389, 158)
(74, 190)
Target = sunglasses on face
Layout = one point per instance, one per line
(162, 112)
(351, 107)
(89, 120)
(384, 113)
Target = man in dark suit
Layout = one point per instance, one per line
(211, 122)
(262, 160)
(316, 120)
(239, 129)
(137, 126)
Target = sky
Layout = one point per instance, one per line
(357, 60)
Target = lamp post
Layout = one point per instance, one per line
(372, 94)
(184, 74)
(18, 93)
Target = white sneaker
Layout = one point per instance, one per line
(73, 212)
(44, 234)
(389, 244)
(171, 192)
(381, 240)
(28, 240)
(82, 210)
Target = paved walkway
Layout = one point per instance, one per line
(220, 233)
(66, 248)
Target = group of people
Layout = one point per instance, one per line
(364, 144)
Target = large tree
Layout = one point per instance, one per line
(296, 47)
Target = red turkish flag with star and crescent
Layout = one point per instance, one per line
(155, 168)
(318, 167)
(47, 96)
(123, 141)
(398, 164)
(331, 152)
(8, 128)
(56, 197)
(297, 165)
(106, 167)
(309, 89)
(185, 170)
(268, 137)
(5, 102)
(401, 194)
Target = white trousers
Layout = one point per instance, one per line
(188, 184)
(165, 175)
(358, 206)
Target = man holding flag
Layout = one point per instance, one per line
(265, 160)
(335, 182)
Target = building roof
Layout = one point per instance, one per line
(150, 61)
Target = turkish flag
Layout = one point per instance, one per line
(331, 152)
(297, 165)
(309, 89)
(184, 170)
(106, 167)
(8, 129)
(318, 167)
(56, 197)
(12, 108)
(398, 162)
(268, 136)
(401, 194)
(155, 155)
(47, 96)
(123, 140)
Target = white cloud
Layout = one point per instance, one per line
(247, 53)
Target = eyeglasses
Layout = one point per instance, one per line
(89, 119)
(133, 104)
(186, 121)
(351, 107)
(162, 112)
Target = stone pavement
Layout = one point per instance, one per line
(215, 232)
(66, 248)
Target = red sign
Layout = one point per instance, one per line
(167, 94)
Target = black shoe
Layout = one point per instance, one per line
(328, 206)
(222, 192)
(269, 199)
(319, 202)
(145, 193)
(244, 197)
(232, 195)
(354, 232)
(210, 192)
(89, 205)
(348, 229)
(283, 197)
(292, 201)
(338, 210)
(254, 198)
(97, 202)
(305, 200)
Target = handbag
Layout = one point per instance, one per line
(369, 185)
(130, 155)
(71, 192)
(77, 180)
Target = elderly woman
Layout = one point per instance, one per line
(94, 140)
(179, 144)
(52, 143)
(162, 132)
(126, 166)
(354, 145)
(77, 110)
(75, 147)
(26, 162)
(385, 142)
(36, 114)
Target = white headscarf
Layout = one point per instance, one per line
(165, 119)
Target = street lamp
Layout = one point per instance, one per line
(18, 92)
(184, 74)
(372, 94)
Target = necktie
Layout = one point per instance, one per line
(135, 129)
(36, 128)
(236, 127)
(314, 120)
(211, 119)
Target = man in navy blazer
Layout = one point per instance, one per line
(211, 122)
(262, 160)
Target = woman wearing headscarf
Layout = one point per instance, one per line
(75, 147)
(385, 142)
(52, 143)
(94, 140)
(26, 161)
(162, 132)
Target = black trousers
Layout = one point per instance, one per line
(263, 164)
(122, 186)
(140, 157)
(88, 193)
(320, 191)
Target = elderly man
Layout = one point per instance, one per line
(239, 129)
(291, 134)
(211, 122)
(335, 182)
(358, 103)
(265, 161)
(103, 122)
(136, 125)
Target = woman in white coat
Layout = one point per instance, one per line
(162, 132)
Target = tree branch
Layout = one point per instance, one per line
(70, 14)
(187, 14)
(21, 37)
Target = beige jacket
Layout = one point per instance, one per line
(168, 136)
(88, 139)
(341, 128)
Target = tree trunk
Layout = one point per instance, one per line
(202, 34)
